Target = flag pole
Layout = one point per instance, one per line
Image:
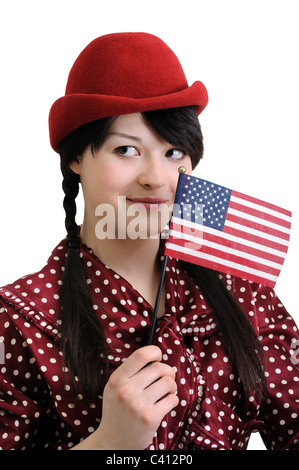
(154, 317)
(181, 169)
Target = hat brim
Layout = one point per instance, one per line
(72, 111)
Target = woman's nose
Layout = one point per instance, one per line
(151, 174)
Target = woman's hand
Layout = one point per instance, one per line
(136, 398)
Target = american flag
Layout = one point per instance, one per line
(228, 231)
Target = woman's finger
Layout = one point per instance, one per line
(153, 372)
(138, 359)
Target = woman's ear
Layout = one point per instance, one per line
(75, 166)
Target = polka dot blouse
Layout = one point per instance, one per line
(37, 410)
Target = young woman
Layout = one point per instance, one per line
(77, 371)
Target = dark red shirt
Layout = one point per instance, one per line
(38, 411)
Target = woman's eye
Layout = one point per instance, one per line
(127, 151)
(175, 154)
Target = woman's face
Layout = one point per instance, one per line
(133, 176)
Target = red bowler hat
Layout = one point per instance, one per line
(122, 73)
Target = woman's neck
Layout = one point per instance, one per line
(137, 261)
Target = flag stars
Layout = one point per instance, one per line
(212, 198)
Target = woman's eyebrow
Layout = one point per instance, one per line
(127, 136)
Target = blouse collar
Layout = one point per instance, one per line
(123, 311)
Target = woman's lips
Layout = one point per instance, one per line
(148, 203)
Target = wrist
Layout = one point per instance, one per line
(92, 442)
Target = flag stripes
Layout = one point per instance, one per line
(236, 234)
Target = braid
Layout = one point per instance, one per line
(70, 186)
(83, 342)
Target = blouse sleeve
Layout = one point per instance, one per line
(22, 396)
(280, 340)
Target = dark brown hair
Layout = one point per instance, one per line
(83, 342)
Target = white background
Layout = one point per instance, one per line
(244, 51)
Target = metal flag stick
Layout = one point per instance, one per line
(154, 317)
(181, 169)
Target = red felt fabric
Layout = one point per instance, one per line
(118, 74)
